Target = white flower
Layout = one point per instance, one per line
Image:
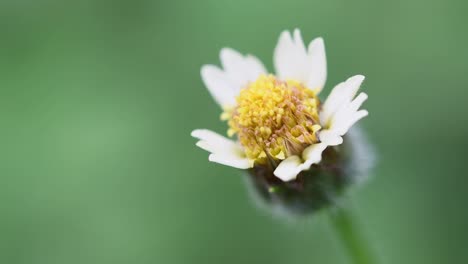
(278, 119)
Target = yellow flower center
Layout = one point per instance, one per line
(274, 119)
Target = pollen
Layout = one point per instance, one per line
(274, 119)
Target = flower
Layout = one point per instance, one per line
(279, 121)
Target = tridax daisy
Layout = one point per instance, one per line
(277, 122)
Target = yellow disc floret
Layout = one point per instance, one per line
(274, 119)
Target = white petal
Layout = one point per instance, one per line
(289, 168)
(312, 155)
(341, 95)
(347, 111)
(347, 115)
(238, 70)
(241, 69)
(343, 127)
(235, 162)
(357, 102)
(290, 57)
(318, 64)
(219, 85)
(293, 61)
(340, 112)
(213, 142)
(224, 150)
(329, 138)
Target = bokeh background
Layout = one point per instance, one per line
(98, 98)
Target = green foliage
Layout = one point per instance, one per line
(98, 98)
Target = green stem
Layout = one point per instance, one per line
(352, 237)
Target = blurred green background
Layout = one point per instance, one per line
(98, 98)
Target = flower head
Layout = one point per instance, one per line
(277, 123)
(274, 119)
